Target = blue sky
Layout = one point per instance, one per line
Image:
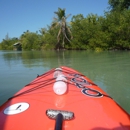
(17, 16)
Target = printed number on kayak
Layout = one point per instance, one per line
(81, 83)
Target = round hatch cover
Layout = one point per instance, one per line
(16, 108)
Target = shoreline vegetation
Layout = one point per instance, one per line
(93, 32)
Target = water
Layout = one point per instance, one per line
(109, 70)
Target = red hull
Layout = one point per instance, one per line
(93, 109)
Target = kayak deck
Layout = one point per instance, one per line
(93, 109)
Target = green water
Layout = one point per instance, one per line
(109, 70)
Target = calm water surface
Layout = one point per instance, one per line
(109, 70)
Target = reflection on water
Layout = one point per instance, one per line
(110, 70)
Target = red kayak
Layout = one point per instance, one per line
(62, 99)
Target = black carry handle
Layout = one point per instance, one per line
(59, 121)
(59, 116)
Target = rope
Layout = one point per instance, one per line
(42, 83)
(47, 82)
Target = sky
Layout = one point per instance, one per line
(18, 16)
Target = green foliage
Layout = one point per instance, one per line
(119, 5)
(87, 32)
(111, 31)
(49, 39)
(7, 43)
(31, 41)
(79, 31)
(119, 29)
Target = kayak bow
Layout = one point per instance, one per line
(62, 98)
